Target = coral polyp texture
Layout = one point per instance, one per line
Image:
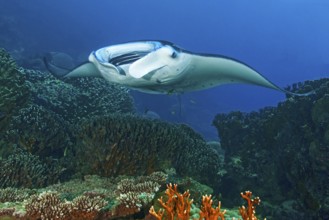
(14, 93)
(93, 198)
(38, 112)
(127, 144)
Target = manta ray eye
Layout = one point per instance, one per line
(174, 54)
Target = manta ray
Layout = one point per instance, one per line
(161, 67)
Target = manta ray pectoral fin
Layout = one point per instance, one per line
(151, 62)
(58, 70)
(84, 70)
(57, 63)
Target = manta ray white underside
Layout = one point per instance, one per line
(162, 67)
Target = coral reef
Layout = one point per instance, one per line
(179, 206)
(15, 195)
(291, 141)
(81, 118)
(45, 125)
(127, 144)
(40, 132)
(48, 205)
(208, 212)
(38, 113)
(22, 169)
(136, 194)
(249, 212)
(13, 91)
(93, 198)
(79, 98)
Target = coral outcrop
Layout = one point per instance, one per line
(22, 169)
(38, 112)
(45, 125)
(281, 152)
(93, 198)
(14, 92)
(127, 144)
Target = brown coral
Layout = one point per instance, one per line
(48, 205)
(133, 195)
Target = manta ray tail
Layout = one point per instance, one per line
(60, 66)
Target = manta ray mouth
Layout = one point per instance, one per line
(127, 58)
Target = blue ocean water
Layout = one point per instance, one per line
(287, 41)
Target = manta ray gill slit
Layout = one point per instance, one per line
(127, 58)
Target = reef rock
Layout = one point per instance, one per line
(281, 153)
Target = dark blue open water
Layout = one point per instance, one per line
(287, 41)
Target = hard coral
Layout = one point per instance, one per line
(249, 212)
(22, 169)
(152, 145)
(133, 195)
(208, 212)
(295, 136)
(177, 206)
(48, 205)
(13, 92)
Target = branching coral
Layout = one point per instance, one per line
(133, 195)
(87, 206)
(177, 206)
(208, 212)
(48, 205)
(13, 194)
(13, 92)
(152, 145)
(22, 169)
(249, 212)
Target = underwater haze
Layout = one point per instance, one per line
(286, 41)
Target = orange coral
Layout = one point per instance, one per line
(178, 205)
(249, 212)
(208, 212)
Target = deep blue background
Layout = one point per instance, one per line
(287, 41)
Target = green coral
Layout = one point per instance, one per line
(77, 99)
(22, 169)
(127, 144)
(13, 92)
(282, 152)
